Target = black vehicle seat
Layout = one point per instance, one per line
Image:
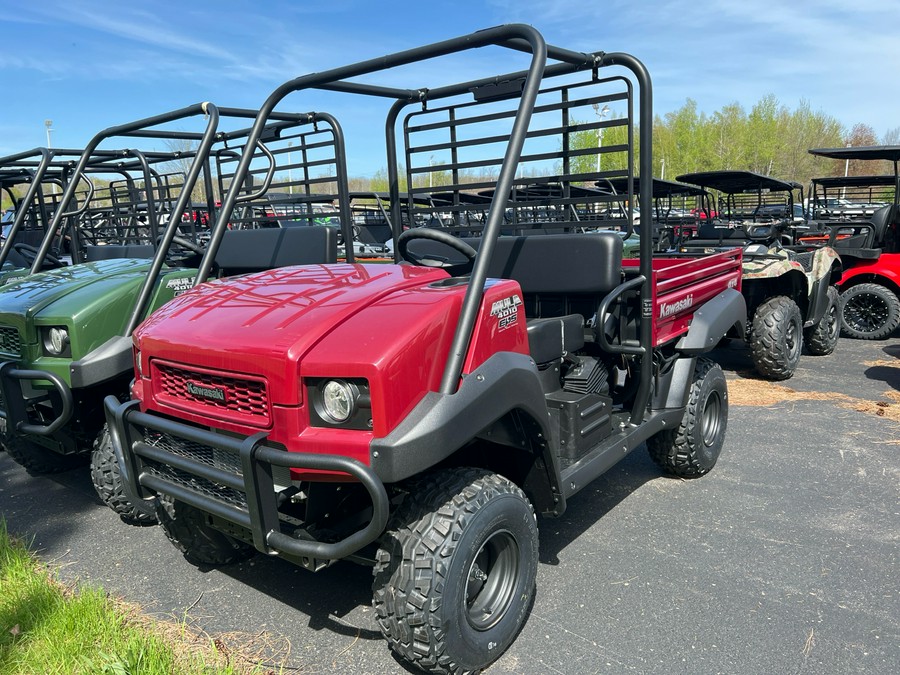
(110, 251)
(886, 235)
(551, 338)
(244, 251)
(563, 279)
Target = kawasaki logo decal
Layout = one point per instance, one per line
(201, 391)
(668, 309)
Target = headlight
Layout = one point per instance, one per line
(338, 400)
(56, 341)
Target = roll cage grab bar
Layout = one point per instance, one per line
(517, 37)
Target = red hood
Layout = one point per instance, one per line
(252, 324)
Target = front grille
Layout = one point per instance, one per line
(221, 459)
(10, 341)
(234, 398)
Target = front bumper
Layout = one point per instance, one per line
(243, 490)
(15, 404)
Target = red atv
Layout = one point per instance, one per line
(860, 217)
(417, 415)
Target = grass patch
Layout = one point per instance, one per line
(47, 627)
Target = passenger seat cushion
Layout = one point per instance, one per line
(550, 339)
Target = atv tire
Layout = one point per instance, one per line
(871, 312)
(821, 339)
(776, 338)
(200, 543)
(40, 460)
(108, 483)
(455, 574)
(691, 450)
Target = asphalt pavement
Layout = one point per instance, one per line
(784, 559)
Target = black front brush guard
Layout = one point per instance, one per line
(260, 516)
(15, 405)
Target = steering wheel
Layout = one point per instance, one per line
(191, 246)
(429, 260)
(30, 253)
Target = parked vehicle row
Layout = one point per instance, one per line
(264, 362)
(415, 414)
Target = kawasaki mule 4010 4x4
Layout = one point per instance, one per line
(65, 335)
(417, 416)
(860, 217)
(790, 290)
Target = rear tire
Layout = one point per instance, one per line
(455, 575)
(40, 460)
(201, 544)
(871, 312)
(108, 482)
(691, 450)
(776, 338)
(822, 338)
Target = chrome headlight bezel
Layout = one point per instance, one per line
(56, 342)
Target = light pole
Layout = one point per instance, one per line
(48, 124)
(846, 172)
(290, 169)
(601, 113)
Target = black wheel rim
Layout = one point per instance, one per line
(711, 420)
(833, 324)
(792, 339)
(491, 581)
(866, 312)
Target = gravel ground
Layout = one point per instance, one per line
(782, 560)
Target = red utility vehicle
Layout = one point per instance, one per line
(417, 416)
(860, 217)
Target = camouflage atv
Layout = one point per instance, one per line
(791, 293)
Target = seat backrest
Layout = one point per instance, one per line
(110, 251)
(243, 251)
(589, 263)
(30, 237)
(882, 220)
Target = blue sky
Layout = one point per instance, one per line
(89, 64)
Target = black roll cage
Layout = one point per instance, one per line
(517, 37)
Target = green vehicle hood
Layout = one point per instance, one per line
(94, 301)
(76, 284)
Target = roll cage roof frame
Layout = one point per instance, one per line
(891, 153)
(516, 37)
(734, 182)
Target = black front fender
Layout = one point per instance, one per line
(443, 423)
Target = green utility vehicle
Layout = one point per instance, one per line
(65, 334)
(791, 293)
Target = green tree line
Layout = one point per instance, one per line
(770, 139)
